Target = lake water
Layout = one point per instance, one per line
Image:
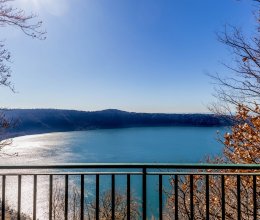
(157, 144)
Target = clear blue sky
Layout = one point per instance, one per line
(134, 55)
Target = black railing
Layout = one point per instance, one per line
(184, 191)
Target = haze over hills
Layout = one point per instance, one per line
(35, 121)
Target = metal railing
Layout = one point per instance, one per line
(178, 174)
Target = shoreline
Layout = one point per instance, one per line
(12, 135)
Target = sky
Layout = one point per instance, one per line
(133, 55)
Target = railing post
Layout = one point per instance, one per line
(66, 196)
(223, 197)
(207, 197)
(191, 198)
(113, 195)
(82, 196)
(3, 196)
(176, 197)
(19, 198)
(50, 197)
(128, 186)
(254, 198)
(34, 196)
(97, 196)
(160, 198)
(144, 193)
(238, 198)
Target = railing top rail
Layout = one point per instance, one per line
(130, 173)
(132, 166)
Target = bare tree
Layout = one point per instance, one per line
(27, 23)
(12, 16)
(242, 145)
(105, 206)
(242, 85)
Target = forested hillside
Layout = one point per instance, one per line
(31, 121)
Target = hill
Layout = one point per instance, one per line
(33, 121)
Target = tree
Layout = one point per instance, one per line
(12, 16)
(105, 204)
(242, 86)
(242, 145)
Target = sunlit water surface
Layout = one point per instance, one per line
(159, 144)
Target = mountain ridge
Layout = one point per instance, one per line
(35, 121)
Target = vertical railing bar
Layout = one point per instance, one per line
(82, 196)
(128, 196)
(160, 198)
(97, 196)
(50, 197)
(144, 193)
(176, 190)
(207, 197)
(191, 198)
(254, 198)
(238, 198)
(113, 195)
(34, 196)
(3, 196)
(19, 198)
(66, 196)
(223, 207)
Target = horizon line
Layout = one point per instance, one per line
(105, 109)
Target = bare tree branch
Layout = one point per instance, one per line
(27, 23)
(242, 85)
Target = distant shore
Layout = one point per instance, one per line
(40, 121)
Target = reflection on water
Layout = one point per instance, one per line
(27, 194)
(44, 148)
(171, 144)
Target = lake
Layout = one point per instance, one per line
(149, 144)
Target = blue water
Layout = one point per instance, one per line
(157, 144)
